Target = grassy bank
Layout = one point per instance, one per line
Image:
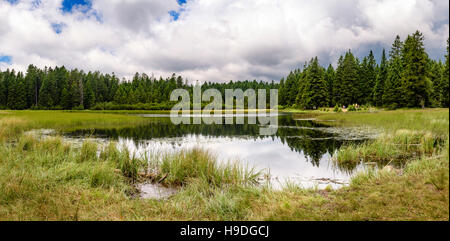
(70, 120)
(50, 180)
(405, 135)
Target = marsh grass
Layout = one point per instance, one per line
(406, 135)
(88, 151)
(66, 120)
(400, 146)
(181, 167)
(11, 127)
(434, 121)
(48, 179)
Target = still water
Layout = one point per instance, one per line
(301, 151)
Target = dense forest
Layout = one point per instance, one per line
(60, 88)
(405, 77)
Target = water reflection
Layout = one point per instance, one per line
(300, 152)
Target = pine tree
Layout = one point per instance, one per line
(415, 84)
(282, 93)
(392, 96)
(330, 77)
(76, 88)
(381, 79)
(348, 81)
(66, 98)
(45, 93)
(3, 90)
(12, 91)
(30, 85)
(315, 87)
(368, 79)
(60, 76)
(445, 81)
(21, 99)
(89, 95)
(292, 88)
(121, 95)
(17, 93)
(337, 88)
(435, 76)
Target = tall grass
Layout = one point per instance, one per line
(398, 146)
(406, 134)
(11, 127)
(180, 168)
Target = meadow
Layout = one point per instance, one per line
(51, 180)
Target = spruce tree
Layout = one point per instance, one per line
(435, 76)
(445, 81)
(368, 79)
(282, 93)
(12, 91)
(337, 88)
(66, 98)
(348, 80)
(330, 77)
(21, 91)
(415, 83)
(89, 95)
(381, 79)
(45, 93)
(3, 90)
(30, 82)
(76, 88)
(315, 87)
(392, 96)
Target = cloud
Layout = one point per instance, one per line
(209, 40)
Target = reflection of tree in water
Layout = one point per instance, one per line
(300, 135)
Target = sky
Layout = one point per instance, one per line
(209, 40)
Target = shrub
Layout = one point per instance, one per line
(336, 108)
(351, 108)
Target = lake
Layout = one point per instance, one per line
(300, 152)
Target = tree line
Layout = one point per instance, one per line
(405, 77)
(60, 89)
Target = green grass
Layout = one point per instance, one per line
(50, 180)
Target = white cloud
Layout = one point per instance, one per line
(212, 40)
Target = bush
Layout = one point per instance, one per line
(352, 108)
(336, 108)
(80, 107)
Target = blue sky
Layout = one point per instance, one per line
(5, 59)
(67, 5)
(209, 40)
